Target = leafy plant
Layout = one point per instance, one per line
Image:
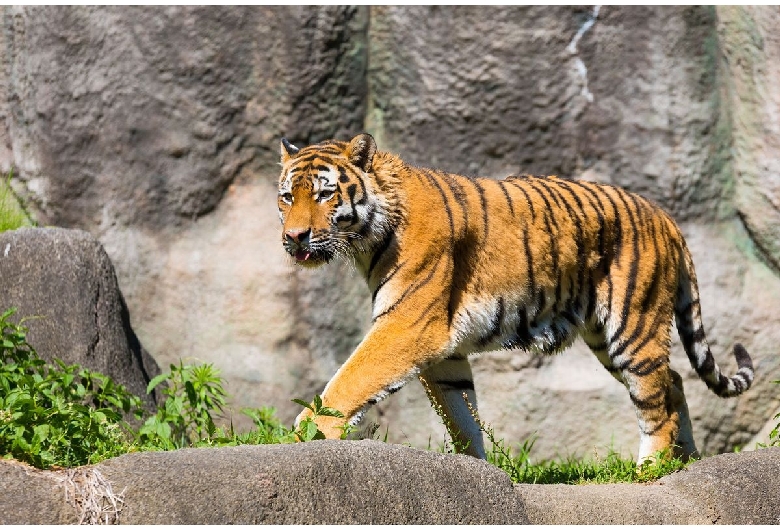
(268, 429)
(193, 395)
(57, 414)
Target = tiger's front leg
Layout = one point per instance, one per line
(394, 351)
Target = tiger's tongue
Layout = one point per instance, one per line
(302, 255)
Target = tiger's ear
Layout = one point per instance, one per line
(288, 150)
(361, 151)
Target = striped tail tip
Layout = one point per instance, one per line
(741, 381)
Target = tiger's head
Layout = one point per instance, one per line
(329, 202)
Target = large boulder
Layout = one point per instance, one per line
(157, 131)
(63, 285)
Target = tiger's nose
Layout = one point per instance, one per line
(298, 236)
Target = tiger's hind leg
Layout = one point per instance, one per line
(642, 357)
(641, 364)
(686, 446)
(446, 383)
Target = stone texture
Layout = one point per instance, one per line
(611, 504)
(497, 90)
(32, 496)
(368, 482)
(751, 48)
(63, 283)
(736, 489)
(324, 482)
(157, 130)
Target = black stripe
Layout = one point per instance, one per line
(640, 327)
(600, 213)
(554, 235)
(528, 201)
(653, 401)
(574, 291)
(524, 338)
(411, 289)
(657, 427)
(632, 274)
(426, 311)
(483, 204)
(529, 261)
(432, 180)
(356, 176)
(507, 196)
(457, 192)
(684, 310)
(384, 280)
(459, 384)
(378, 253)
(651, 292)
(647, 366)
(321, 155)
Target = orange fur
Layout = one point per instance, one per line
(458, 265)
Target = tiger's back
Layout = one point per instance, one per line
(458, 265)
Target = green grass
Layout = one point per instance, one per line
(774, 435)
(12, 215)
(518, 465)
(607, 470)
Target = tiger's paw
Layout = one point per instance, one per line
(311, 426)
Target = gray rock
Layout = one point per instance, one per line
(751, 49)
(499, 90)
(327, 482)
(62, 282)
(735, 489)
(368, 482)
(32, 496)
(613, 504)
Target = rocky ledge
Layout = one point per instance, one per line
(369, 482)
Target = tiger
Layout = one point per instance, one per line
(458, 265)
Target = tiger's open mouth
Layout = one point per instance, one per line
(303, 255)
(308, 257)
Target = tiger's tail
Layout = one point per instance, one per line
(689, 325)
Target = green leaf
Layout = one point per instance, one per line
(307, 430)
(303, 404)
(328, 411)
(156, 381)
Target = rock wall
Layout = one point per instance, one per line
(157, 129)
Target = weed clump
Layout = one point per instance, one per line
(58, 415)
